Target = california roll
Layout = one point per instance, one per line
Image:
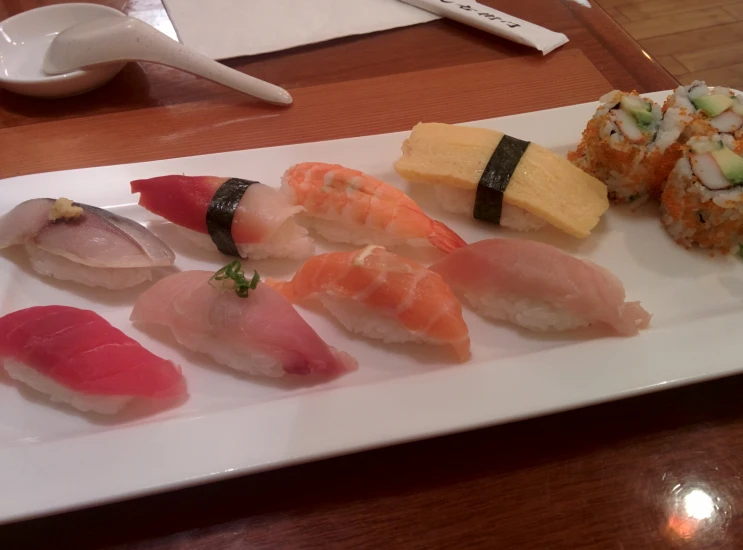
(702, 203)
(630, 145)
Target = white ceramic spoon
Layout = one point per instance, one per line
(116, 39)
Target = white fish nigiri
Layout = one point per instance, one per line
(78, 242)
(244, 325)
(539, 287)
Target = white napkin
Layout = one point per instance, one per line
(222, 29)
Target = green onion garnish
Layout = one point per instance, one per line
(233, 272)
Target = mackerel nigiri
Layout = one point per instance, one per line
(540, 287)
(242, 324)
(382, 295)
(78, 242)
(345, 205)
(238, 217)
(76, 357)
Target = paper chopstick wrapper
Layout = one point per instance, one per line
(495, 22)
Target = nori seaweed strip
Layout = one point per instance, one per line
(221, 211)
(495, 178)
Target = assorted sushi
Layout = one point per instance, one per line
(77, 242)
(241, 323)
(77, 358)
(503, 180)
(685, 155)
(381, 295)
(539, 287)
(237, 217)
(630, 145)
(345, 205)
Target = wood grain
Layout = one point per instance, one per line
(687, 37)
(735, 9)
(638, 11)
(391, 103)
(672, 64)
(678, 22)
(731, 75)
(711, 58)
(694, 40)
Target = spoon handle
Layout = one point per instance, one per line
(114, 38)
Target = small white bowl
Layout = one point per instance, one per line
(24, 40)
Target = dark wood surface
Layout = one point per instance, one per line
(625, 475)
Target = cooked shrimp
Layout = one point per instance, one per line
(346, 205)
(382, 295)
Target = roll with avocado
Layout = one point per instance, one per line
(708, 110)
(702, 202)
(630, 145)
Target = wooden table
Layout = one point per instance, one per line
(615, 476)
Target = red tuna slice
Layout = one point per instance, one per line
(81, 351)
(184, 200)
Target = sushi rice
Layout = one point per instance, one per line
(534, 315)
(462, 201)
(102, 404)
(243, 360)
(368, 322)
(59, 267)
(290, 241)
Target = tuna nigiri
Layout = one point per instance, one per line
(78, 242)
(76, 357)
(540, 287)
(242, 324)
(345, 205)
(237, 217)
(382, 295)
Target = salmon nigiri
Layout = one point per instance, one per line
(243, 324)
(540, 287)
(382, 295)
(76, 357)
(345, 205)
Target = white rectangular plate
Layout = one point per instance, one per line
(52, 459)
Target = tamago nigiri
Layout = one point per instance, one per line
(345, 205)
(540, 287)
(382, 295)
(502, 180)
(235, 216)
(241, 323)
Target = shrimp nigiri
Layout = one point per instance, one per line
(345, 205)
(382, 295)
